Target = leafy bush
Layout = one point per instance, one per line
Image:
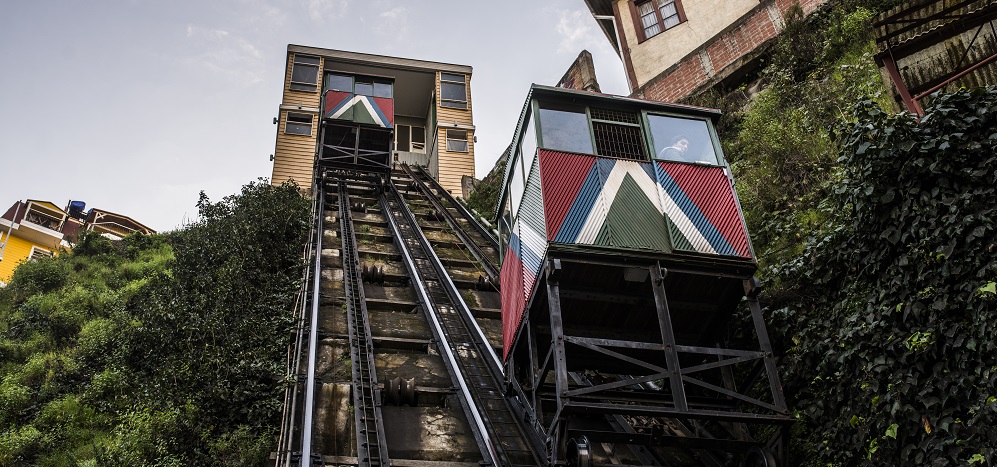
(892, 358)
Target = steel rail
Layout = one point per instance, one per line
(482, 365)
(372, 446)
(309, 410)
(449, 359)
(465, 312)
(471, 246)
(485, 232)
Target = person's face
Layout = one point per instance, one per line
(682, 145)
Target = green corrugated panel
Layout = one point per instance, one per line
(634, 221)
(361, 115)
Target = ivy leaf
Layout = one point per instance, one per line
(891, 431)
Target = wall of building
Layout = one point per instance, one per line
(726, 37)
(705, 19)
(16, 251)
(294, 155)
(453, 165)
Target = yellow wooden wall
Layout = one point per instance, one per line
(18, 250)
(294, 155)
(454, 165)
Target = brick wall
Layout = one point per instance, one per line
(725, 53)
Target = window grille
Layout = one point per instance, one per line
(618, 134)
(615, 116)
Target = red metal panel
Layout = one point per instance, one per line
(561, 178)
(387, 107)
(334, 100)
(513, 299)
(710, 190)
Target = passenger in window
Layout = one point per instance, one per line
(675, 152)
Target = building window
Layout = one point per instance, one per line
(38, 253)
(682, 140)
(304, 73)
(564, 128)
(359, 85)
(658, 15)
(457, 140)
(419, 139)
(298, 124)
(453, 91)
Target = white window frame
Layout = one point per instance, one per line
(456, 140)
(312, 87)
(656, 12)
(287, 122)
(453, 103)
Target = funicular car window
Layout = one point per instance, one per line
(529, 146)
(682, 139)
(565, 128)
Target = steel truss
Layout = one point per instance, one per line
(648, 369)
(355, 146)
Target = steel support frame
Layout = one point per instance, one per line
(353, 156)
(553, 424)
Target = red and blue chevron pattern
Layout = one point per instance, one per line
(379, 111)
(586, 201)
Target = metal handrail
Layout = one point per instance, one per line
(286, 437)
(306, 431)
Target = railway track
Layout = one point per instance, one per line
(398, 363)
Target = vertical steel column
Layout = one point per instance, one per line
(668, 338)
(752, 288)
(558, 428)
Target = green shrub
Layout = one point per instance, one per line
(18, 446)
(37, 276)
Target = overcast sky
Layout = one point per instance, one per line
(135, 106)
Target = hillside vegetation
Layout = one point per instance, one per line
(875, 235)
(155, 350)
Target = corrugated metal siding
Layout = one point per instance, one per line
(634, 215)
(337, 102)
(562, 177)
(533, 234)
(701, 211)
(513, 299)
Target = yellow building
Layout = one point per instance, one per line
(32, 229)
(351, 108)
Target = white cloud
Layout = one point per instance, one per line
(230, 57)
(577, 30)
(394, 23)
(322, 10)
